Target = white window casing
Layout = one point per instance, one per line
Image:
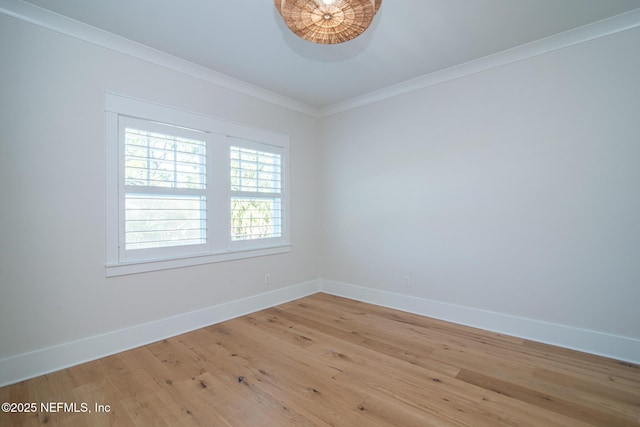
(186, 189)
(257, 188)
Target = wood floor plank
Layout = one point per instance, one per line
(157, 376)
(611, 390)
(553, 403)
(239, 384)
(369, 338)
(328, 361)
(297, 382)
(398, 390)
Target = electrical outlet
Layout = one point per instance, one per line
(407, 280)
(267, 279)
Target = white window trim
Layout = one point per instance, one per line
(221, 249)
(164, 252)
(252, 145)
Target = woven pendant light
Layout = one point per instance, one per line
(328, 21)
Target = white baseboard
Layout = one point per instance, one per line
(599, 343)
(29, 365)
(39, 362)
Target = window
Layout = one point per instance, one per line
(165, 197)
(256, 193)
(186, 189)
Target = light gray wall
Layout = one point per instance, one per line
(52, 190)
(515, 190)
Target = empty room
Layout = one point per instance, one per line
(320, 213)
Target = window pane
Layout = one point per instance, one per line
(255, 171)
(153, 221)
(255, 218)
(157, 160)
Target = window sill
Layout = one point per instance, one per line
(123, 269)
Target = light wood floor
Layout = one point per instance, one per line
(324, 360)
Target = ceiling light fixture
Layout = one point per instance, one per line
(328, 21)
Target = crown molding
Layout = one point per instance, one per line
(64, 25)
(79, 30)
(605, 27)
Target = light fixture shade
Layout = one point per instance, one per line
(328, 21)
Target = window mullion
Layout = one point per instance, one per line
(217, 189)
(141, 189)
(255, 194)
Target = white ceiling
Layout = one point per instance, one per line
(247, 39)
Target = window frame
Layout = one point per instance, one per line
(124, 190)
(220, 136)
(284, 160)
